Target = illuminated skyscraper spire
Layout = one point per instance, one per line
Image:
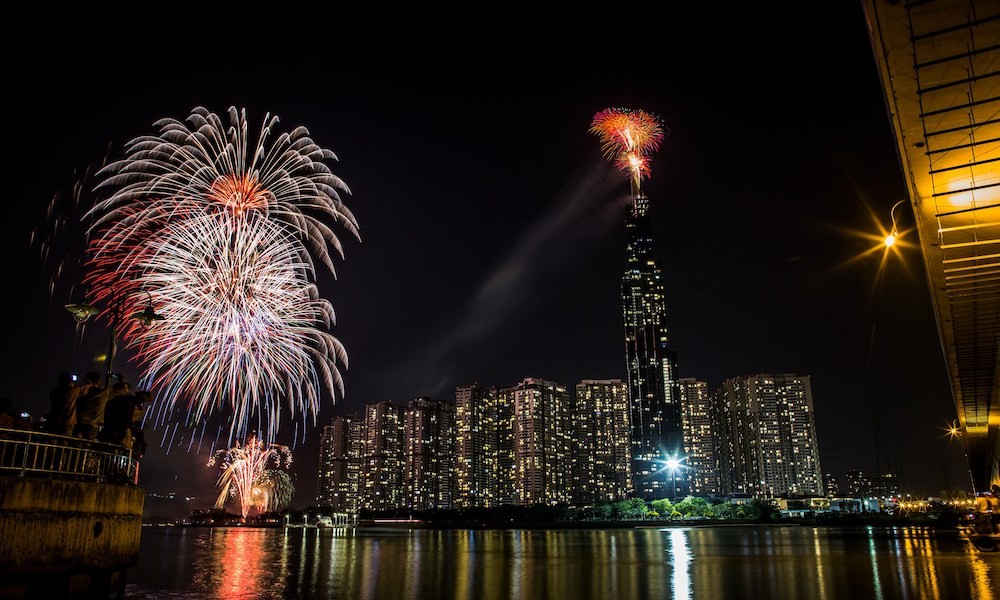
(628, 137)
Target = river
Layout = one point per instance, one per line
(711, 562)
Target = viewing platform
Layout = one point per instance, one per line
(70, 516)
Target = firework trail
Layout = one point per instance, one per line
(628, 137)
(246, 479)
(219, 230)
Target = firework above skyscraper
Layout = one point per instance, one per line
(628, 137)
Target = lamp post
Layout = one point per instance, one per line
(890, 240)
(83, 310)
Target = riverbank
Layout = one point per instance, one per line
(842, 521)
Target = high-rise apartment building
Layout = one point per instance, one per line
(381, 481)
(601, 441)
(651, 367)
(769, 446)
(535, 448)
(700, 470)
(476, 447)
(831, 485)
(859, 485)
(340, 463)
(428, 466)
(886, 485)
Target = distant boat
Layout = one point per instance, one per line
(324, 522)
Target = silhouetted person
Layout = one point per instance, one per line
(119, 417)
(62, 405)
(90, 409)
(138, 434)
(6, 413)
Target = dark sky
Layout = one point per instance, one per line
(492, 228)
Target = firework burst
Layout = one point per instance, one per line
(272, 490)
(219, 230)
(628, 137)
(246, 478)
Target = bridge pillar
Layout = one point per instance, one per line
(982, 447)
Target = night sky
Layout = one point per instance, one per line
(492, 229)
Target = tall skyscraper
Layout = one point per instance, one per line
(628, 137)
(536, 443)
(651, 367)
(601, 441)
(770, 436)
(340, 463)
(428, 439)
(701, 468)
(476, 447)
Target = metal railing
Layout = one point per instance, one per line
(25, 453)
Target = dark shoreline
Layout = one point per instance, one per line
(847, 521)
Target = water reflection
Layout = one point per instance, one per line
(681, 559)
(676, 563)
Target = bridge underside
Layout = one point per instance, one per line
(939, 62)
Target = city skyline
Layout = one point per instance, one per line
(492, 228)
(539, 444)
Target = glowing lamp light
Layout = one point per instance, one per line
(890, 240)
(673, 463)
(82, 310)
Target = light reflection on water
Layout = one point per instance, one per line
(676, 563)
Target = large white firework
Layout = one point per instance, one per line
(220, 232)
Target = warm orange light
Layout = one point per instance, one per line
(890, 239)
(240, 193)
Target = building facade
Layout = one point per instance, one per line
(770, 447)
(340, 464)
(700, 470)
(536, 459)
(476, 447)
(428, 466)
(381, 481)
(601, 442)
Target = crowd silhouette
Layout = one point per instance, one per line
(83, 406)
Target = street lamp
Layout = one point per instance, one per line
(890, 239)
(82, 310)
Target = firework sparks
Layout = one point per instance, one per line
(272, 490)
(246, 478)
(628, 137)
(220, 232)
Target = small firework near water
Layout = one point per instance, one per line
(628, 137)
(247, 476)
(220, 230)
